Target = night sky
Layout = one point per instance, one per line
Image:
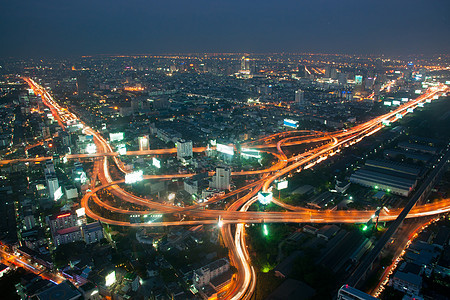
(62, 28)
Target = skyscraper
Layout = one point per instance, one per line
(299, 98)
(221, 180)
(245, 64)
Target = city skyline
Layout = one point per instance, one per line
(232, 150)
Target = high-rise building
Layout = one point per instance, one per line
(82, 84)
(143, 143)
(221, 180)
(299, 98)
(51, 180)
(245, 64)
(52, 185)
(184, 149)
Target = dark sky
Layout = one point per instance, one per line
(45, 28)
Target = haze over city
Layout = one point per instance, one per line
(67, 28)
(224, 150)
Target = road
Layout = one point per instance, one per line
(13, 259)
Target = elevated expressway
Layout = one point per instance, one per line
(237, 213)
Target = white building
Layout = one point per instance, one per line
(184, 149)
(221, 180)
(191, 186)
(50, 178)
(408, 283)
(205, 274)
(52, 185)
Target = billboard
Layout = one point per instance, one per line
(225, 149)
(290, 123)
(134, 177)
(247, 153)
(58, 194)
(418, 91)
(81, 212)
(358, 79)
(91, 148)
(156, 162)
(116, 136)
(395, 102)
(265, 198)
(387, 103)
(281, 185)
(405, 99)
(110, 278)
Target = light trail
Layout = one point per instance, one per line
(237, 213)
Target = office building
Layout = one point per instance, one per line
(245, 65)
(92, 232)
(67, 235)
(61, 221)
(184, 149)
(221, 180)
(52, 186)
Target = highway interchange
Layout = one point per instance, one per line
(323, 145)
